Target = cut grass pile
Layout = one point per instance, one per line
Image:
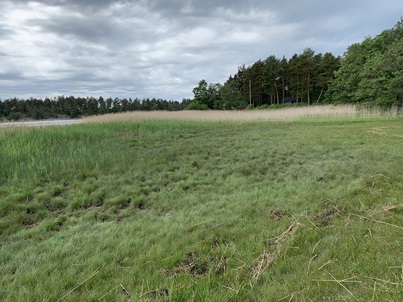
(203, 211)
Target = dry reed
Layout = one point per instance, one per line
(267, 258)
(233, 115)
(79, 285)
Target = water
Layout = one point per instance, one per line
(58, 122)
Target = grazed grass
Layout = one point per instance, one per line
(203, 211)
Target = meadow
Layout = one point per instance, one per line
(181, 209)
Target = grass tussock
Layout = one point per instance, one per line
(180, 210)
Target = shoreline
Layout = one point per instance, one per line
(35, 123)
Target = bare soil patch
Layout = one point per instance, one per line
(278, 214)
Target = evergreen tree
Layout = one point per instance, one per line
(271, 77)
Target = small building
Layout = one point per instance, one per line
(291, 99)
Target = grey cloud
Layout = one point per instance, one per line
(159, 48)
(178, 8)
(10, 77)
(84, 5)
(89, 29)
(5, 32)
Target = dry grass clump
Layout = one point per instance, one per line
(234, 115)
(266, 259)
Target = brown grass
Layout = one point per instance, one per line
(232, 115)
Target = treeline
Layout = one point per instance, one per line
(303, 78)
(370, 72)
(73, 107)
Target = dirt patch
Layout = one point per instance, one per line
(278, 214)
(157, 293)
(324, 219)
(198, 266)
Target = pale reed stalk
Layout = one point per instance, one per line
(242, 115)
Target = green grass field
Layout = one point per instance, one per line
(305, 210)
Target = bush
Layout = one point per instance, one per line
(196, 106)
(14, 116)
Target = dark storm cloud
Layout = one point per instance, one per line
(159, 48)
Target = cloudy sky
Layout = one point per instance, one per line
(163, 48)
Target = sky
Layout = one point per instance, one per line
(163, 48)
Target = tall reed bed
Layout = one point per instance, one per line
(282, 114)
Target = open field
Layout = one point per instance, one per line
(179, 210)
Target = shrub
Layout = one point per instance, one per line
(196, 106)
(14, 116)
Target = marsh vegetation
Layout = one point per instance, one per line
(180, 210)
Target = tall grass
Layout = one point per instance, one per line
(281, 114)
(203, 211)
(32, 153)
